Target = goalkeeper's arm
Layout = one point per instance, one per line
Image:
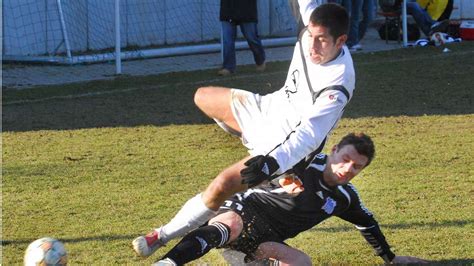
(370, 230)
(376, 239)
(365, 222)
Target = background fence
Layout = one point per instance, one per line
(75, 31)
(44, 27)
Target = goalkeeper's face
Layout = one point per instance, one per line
(322, 45)
(343, 164)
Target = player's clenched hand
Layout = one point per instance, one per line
(259, 169)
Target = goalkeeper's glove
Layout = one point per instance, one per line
(259, 169)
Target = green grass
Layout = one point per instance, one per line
(96, 164)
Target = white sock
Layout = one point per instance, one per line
(193, 214)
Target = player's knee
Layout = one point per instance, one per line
(235, 230)
(303, 259)
(298, 257)
(286, 255)
(200, 97)
(232, 220)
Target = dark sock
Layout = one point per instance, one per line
(198, 242)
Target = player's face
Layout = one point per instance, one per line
(322, 46)
(343, 165)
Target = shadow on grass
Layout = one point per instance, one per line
(347, 228)
(409, 82)
(105, 238)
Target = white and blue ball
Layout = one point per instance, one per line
(45, 251)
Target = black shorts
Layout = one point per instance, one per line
(256, 228)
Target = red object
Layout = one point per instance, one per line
(466, 30)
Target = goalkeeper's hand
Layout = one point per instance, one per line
(259, 169)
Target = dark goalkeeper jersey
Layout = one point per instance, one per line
(287, 215)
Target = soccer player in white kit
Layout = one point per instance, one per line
(281, 130)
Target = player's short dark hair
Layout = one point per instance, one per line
(332, 16)
(361, 142)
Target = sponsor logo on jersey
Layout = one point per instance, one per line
(320, 156)
(329, 206)
(320, 194)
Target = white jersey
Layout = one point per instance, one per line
(306, 8)
(292, 122)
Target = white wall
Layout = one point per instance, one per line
(463, 9)
(467, 9)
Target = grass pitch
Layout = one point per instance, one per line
(96, 164)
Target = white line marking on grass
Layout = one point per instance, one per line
(72, 96)
(99, 93)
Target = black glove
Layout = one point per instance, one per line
(259, 169)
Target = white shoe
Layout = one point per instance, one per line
(355, 47)
(224, 72)
(145, 245)
(165, 262)
(261, 68)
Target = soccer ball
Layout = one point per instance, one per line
(438, 38)
(45, 251)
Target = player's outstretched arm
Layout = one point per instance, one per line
(306, 8)
(408, 260)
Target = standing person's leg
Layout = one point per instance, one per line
(353, 37)
(368, 13)
(346, 4)
(250, 32)
(229, 33)
(422, 18)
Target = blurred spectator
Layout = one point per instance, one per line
(241, 13)
(301, 10)
(431, 15)
(358, 26)
(341, 2)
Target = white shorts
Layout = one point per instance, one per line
(263, 124)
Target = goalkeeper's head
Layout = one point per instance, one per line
(361, 142)
(348, 158)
